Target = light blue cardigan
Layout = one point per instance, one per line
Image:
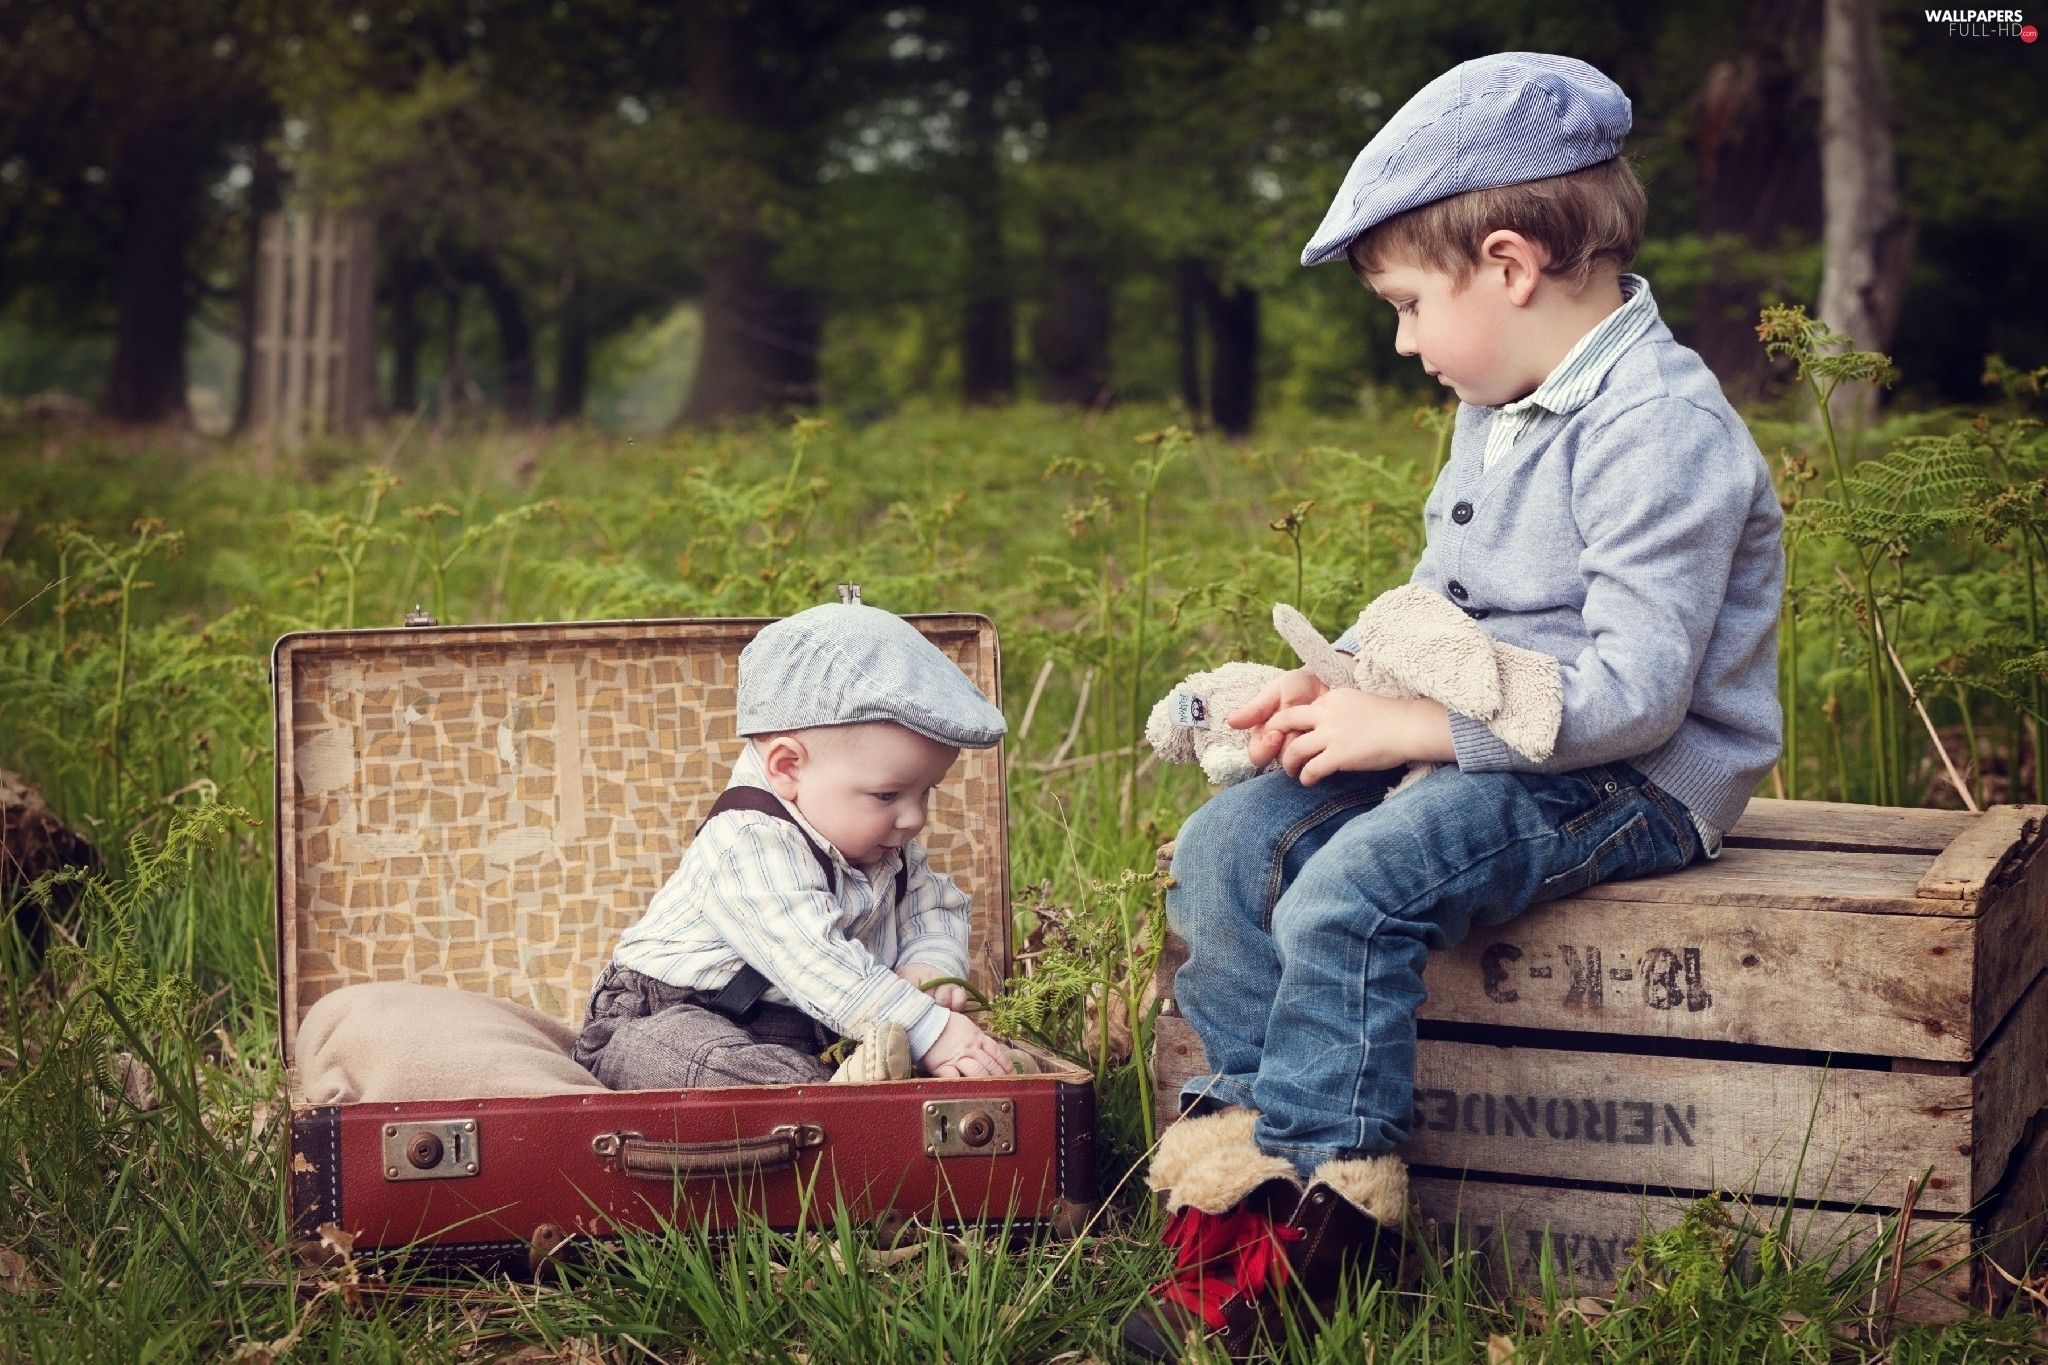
(1637, 540)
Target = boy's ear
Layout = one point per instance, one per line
(784, 757)
(1518, 260)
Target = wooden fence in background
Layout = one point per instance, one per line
(315, 346)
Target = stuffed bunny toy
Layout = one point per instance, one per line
(1411, 643)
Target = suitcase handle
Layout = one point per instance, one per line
(775, 1150)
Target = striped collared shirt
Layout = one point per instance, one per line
(750, 891)
(1568, 388)
(1577, 377)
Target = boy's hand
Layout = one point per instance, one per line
(1297, 688)
(962, 1049)
(952, 996)
(1346, 730)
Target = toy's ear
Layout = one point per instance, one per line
(1532, 701)
(1428, 646)
(1325, 662)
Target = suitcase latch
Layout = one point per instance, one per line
(438, 1149)
(969, 1128)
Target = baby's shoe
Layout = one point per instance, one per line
(881, 1053)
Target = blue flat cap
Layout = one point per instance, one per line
(1492, 121)
(843, 663)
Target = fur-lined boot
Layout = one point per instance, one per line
(1243, 1231)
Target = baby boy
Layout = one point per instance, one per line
(805, 908)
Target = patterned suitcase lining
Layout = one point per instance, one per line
(489, 809)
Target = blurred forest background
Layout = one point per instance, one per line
(642, 213)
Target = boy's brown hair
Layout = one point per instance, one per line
(1581, 219)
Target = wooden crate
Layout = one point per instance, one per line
(1850, 1001)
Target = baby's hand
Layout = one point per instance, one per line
(1297, 688)
(962, 1049)
(952, 996)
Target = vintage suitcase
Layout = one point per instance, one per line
(1847, 1012)
(487, 808)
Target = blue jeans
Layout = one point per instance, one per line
(1309, 911)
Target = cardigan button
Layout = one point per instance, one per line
(1478, 613)
(1458, 590)
(1462, 513)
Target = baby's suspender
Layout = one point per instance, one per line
(738, 997)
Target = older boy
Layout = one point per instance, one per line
(805, 907)
(1602, 504)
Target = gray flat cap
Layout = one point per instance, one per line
(1492, 121)
(843, 663)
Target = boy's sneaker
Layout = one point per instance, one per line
(881, 1053)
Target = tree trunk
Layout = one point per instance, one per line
(1233, 325)
(147, 383)
(988, 345)
(407, 332)
(761, 333)
(1190, 288)
(572, 358)
(1867, 241)
(988, 322)
(458, 387)
(265, 194)
(515, 343)
(1233, 357)
(1757, 174)
(1071, 338)
(761, 337)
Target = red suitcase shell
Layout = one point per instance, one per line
(488, 808)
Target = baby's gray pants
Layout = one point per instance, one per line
(644, 1034)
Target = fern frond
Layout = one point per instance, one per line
(1925, 473)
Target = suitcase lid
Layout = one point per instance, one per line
(489, 807)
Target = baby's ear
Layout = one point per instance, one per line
(784, 757)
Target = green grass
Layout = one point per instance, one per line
(1115, 554)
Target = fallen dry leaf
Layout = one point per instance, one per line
(274, 1350)
(138, 1086)
(876, 1258)
(1500, 1350)
(15, 1276)
(574, 1351)
(1119, 1021)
